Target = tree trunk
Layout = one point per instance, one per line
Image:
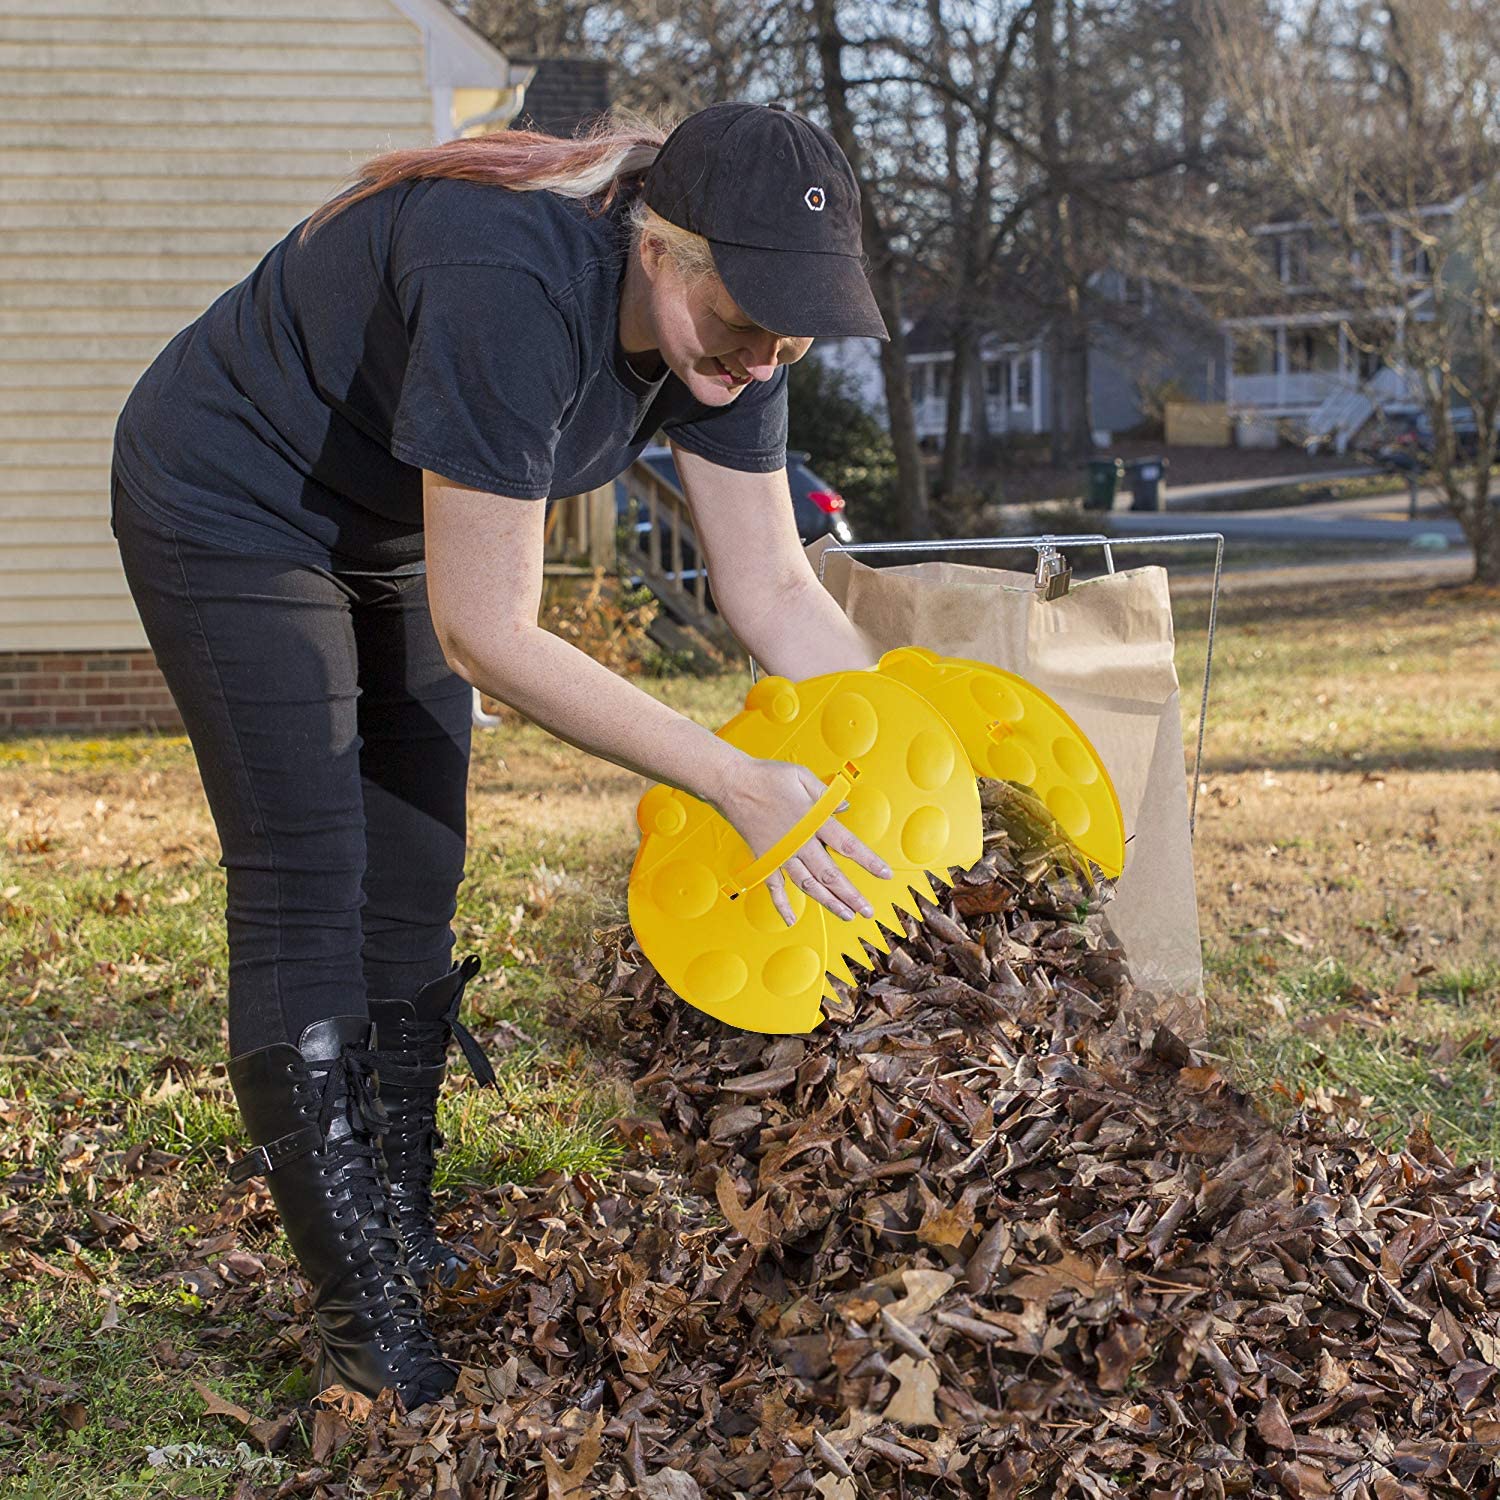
(1072, 417)
(960, 380)
(981, 449)
(916, 521)
(916, 516)
(1068, 384)
(1484, 537)
(1475, 510)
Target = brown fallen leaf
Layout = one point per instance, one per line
(570, 1481)
(1118, 1352)
(753, 1222)
(214, 1405)
(912, 1403)
(1273, 1427)
(330, 1433)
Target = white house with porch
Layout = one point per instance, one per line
(1311, 364)
(1011, 380)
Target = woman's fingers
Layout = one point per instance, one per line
(825, 882)
(813, 888)
(815, 873)
(837, 837)
(777, 889)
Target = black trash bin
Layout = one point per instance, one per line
(1104, 478)
(1148, 483)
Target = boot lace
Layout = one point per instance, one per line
(386, 1291)
(412, 1129)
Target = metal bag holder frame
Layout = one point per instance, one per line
(1050, 568)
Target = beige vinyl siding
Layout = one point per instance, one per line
(150, 153)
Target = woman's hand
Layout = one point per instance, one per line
(766, 799)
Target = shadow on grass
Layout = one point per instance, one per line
(1373, 760)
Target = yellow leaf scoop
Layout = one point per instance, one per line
(698, 900)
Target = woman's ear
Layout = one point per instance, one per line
(653, 255)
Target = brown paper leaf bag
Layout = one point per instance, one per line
(1104, 651)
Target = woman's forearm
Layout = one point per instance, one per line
(571, 695)
(801, 632)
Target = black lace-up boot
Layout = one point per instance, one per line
(315, 1117)
(411, 1058)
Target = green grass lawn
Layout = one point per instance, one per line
(1346, 857)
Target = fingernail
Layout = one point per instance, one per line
(866, 910)
(885, 872)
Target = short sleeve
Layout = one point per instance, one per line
(491, 371)
(748, 434)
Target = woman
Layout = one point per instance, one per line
(326, 498)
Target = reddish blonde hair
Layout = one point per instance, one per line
(587, 166)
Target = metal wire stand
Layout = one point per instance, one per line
(1048, 549)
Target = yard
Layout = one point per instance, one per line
(1346, 856)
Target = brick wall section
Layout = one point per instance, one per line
(80, 691)
(566, 92)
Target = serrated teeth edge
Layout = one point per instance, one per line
(838, 966)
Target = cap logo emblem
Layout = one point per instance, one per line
(815, 199)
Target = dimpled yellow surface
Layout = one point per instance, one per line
(1014, 731)
(698, 900)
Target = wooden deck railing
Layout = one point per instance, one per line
(580, 533)
(661, 545)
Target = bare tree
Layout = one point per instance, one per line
(1062, 138)
(1377, 126)
(885, 267)
(668, 59)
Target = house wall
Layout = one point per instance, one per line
(1120, 366)
(153, 151)
(860, 360)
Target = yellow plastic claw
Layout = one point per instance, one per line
(1014, 731)
(698, 901)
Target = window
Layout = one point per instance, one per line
(997, 379)
(918, 377)
(1254, 352)
(1312, 349)
(1020, 376)
(1295, 255)
(940, 373)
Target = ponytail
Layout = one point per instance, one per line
(588, 166)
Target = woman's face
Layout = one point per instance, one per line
(706, 340)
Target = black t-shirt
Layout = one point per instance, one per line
(439, 324)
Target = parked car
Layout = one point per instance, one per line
(1408, 444)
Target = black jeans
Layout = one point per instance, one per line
(332, 739)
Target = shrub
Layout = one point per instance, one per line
(845, 444)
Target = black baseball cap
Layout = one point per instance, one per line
(778, 204)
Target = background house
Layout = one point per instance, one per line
(154, 151)
(1126, 363)
(1312, 357)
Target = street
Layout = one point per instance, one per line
(1370, 520)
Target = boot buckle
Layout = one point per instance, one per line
(264, 1159)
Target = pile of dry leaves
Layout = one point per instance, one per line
(979, 1234)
